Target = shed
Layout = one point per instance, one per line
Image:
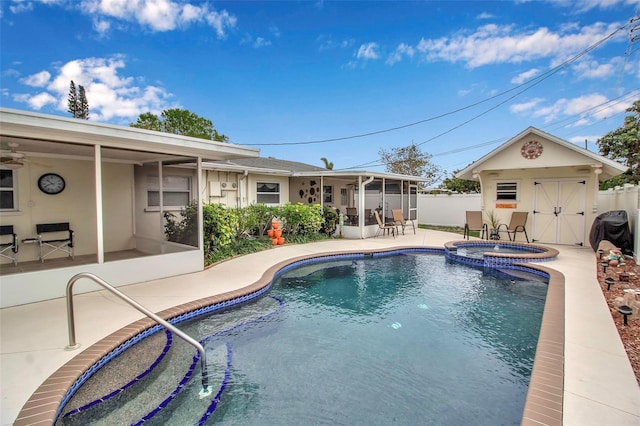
(554, 180)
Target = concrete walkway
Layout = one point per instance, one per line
(600, 388)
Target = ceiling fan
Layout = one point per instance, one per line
(11, 158)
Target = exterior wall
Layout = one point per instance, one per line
(29, 287)
(148, 223)
(553, 155)
(76, 205)
(230, 197)
(300, 192)
(253, 179)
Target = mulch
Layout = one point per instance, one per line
(629, 334)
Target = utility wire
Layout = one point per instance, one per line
(531, 83)
(534, 81)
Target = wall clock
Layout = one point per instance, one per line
(531, 150)
(51, 183)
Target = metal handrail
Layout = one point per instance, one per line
(206, 389)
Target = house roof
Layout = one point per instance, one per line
(609, 167)
(270, 165)
(48, 135)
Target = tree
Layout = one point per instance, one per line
(84, 104)
(460, 185)
(77, 104)
(180, 122)
(623, 144)
(409, 160)
(72, 100)
(327, 164)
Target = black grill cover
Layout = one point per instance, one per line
(612, 226)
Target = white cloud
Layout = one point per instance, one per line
(583, 106)
(485, 15)
(110, 95)
(525, 76)
(158, 15)
(368, 51)
(591, 69)
(101, 26)
(20, 6)
(493, 44)
(525, 106)
(401, 51)
(261, 42)
(37, 79)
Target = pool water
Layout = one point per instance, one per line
(407, 339)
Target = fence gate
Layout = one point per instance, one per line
(559, 211)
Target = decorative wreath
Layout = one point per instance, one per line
(531, 150)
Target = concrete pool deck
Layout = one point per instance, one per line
(599, 385)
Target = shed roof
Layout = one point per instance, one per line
(581, 156)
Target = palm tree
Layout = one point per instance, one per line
(327, 164)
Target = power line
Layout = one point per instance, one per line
(532, 82)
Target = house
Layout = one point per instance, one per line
(244, 181)
(555, 181)
(111, 185)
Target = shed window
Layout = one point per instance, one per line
(506, 191)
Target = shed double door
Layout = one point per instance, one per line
(559, 211)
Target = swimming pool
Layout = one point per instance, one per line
(406, 339)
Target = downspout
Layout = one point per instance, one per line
(361, 197)
(241, 186)
(476, 174)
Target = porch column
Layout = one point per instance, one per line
(161, 206)
(97, 158)
(201, 189)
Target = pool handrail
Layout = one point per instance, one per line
(206, 389)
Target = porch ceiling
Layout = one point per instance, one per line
(45, 135)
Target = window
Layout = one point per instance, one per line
(327, 192)
(268, 193)
(7, 190)
(344, 197)
(176, 192)
(506, 191)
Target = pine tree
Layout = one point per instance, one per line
(83, 104)
(72, 100)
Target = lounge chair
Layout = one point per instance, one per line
(474, 223)
(382, 228)
(516, 224)
(399, 220)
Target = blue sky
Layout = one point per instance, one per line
(304, 80)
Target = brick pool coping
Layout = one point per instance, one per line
(544, 399)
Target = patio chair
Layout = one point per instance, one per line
(382, 228)
(61, 239)
(516, 224)
(474, 223)
(9, 244)
(352, 215)
(399, 220)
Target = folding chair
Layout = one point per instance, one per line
(474, 223)
(399, 220)
(9, 249)
(516, 224)
(382, 228)
(62, 239)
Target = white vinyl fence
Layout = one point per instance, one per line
(449, 210)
